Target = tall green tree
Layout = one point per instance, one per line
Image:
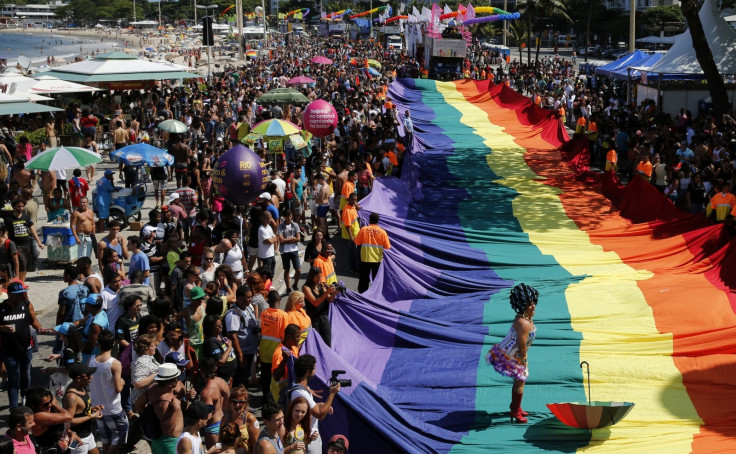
(659, 16)
(537, 10)
(716, 86)
(519, 33)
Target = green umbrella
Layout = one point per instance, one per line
(174, 126)
(283, 96)
(61, 158)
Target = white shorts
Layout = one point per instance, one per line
(88, 444)
(334, 203)
(252, 251)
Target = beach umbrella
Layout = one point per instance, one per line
(373, 63)
(373, 71)
(174, 126)
(142, 153)
(151, 49)
(61, 158)
(275, 128)
(591, 414)
(283, 96)
(300, 80)
(322, 60)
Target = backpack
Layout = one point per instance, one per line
(150, 425)
(285, 393)
(126, 358)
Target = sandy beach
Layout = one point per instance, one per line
(135, 43)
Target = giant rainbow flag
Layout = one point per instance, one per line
(486, 201)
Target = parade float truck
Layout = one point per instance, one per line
(390, 38)
(444, 57)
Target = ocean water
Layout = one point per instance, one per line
(38, 46)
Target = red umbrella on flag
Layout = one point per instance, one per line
(591, 414)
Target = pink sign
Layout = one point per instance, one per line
(320, 118)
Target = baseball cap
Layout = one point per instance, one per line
(196, 293)
(164, 208)
(64, 328)
(176, 358)
(339, 442)
(109, 172)
(147, 230)
(166, 372)
(93, 299)
(77, 369)
(265, 195)
(173, 197)
(17, 287)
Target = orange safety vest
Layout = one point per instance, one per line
(723, 204)
(611, 160)
(645, 168)
(328, 269)
(350, 221)
(273, 324)
(580, 125)
(374, 241)
(299, 317)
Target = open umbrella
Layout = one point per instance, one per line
(373, 63)
(142, 153)
(174, 126)
(373, 71)
(282, 96)
(321, 60)
(61, 158)
(300, 80)
(590, 415)
(275, 128)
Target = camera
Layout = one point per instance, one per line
(340, 287)
(343, 383)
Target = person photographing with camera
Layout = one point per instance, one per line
(304, 370)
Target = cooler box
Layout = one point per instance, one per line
(63, 230)
(61, 253)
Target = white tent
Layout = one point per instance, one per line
(20, 85)
(48, 84)
(681, 59)
(11, 105)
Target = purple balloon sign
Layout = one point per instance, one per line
(240, 175)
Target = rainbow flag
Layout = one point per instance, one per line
(485, 201)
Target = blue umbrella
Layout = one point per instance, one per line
(142, 153)
(373, 72)
(151, 49)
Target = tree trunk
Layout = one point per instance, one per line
(587, 29)
(529, 41)
(705, 57)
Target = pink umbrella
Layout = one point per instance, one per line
(322, 60)
(300, 80)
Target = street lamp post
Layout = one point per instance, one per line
(209, 48)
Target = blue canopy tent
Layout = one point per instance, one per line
(623, 72)
(631, 59)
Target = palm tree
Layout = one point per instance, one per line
(519, 33)
(535, 10)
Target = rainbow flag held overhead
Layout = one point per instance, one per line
(485, 200)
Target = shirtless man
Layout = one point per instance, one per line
(166, 397)
(22, 175)
(48, 183)
(216, 393)
(83, 228)
(181, 153)
(322, 199)
(50, 132)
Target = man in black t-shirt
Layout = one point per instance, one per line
(8, 251)
(16, 318)
(20, 232)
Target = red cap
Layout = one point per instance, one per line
(340, 439)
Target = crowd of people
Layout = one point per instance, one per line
(162, 334)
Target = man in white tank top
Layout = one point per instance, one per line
(107, 383)
(195, 419)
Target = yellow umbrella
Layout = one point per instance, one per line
(374, 63)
